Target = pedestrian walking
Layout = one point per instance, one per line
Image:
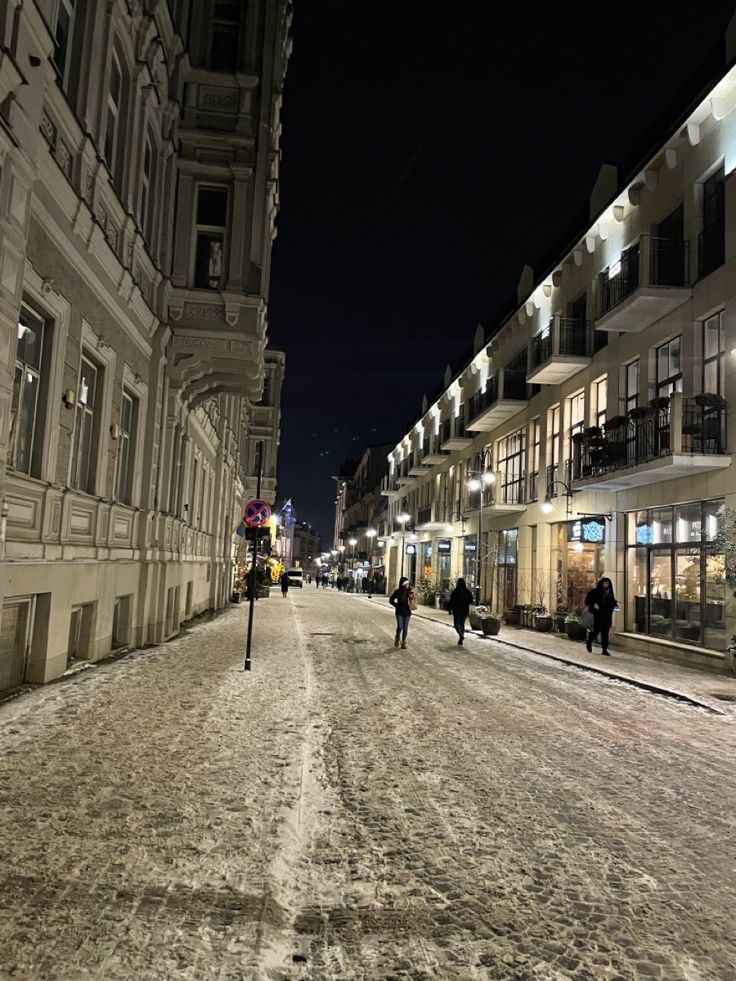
(601, 602)
(284, 580)
(403, 601)
(459, 607)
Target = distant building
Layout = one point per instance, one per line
(306, 548)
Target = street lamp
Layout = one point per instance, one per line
(481, 478)
(547, 507)
(402, 518)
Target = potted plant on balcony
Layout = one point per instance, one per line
(577, 438)
(574, 627)
(640, 412)
(615, 423)
(710, 400)
(659, 402)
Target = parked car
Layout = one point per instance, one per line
(296, 577)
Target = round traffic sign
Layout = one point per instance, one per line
(256, 513)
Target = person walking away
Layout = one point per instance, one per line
(284, 580)
(459, 607)
(401, 600)
(601, 602)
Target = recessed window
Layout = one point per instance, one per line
(712, 239)
(62, 23)
(126, 448)
(85, 426)
(114, 96)
(25, 427)
(225, 35)
(714, 350)
(210, 237)
(147, 183)
(669, 368)
(631, 385)
(601, 401)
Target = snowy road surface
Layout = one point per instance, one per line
(350, 811)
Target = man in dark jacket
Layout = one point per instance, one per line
(601, 602)
(459, 607)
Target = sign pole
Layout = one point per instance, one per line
(252, 588)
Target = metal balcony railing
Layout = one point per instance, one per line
(665, 426)
(575, 339)
(650, 262)
(533, 486)
(424, 515)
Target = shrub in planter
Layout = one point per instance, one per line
(490, 624)
(475, 616)
(512, 617)
(543, 622)
(574, 628)
(615, 423)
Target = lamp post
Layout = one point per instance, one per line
(479, 479)
(402, 518)
(352, 542)
(370, 534)
(341, 550)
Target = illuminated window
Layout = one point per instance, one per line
(669, 368)
(210, 237)
(601, 400)
(714, 350)
(631, 385)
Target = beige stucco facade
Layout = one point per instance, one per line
(138, 198)
(559, 400)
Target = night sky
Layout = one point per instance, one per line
(428, 153)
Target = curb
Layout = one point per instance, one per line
(611, 675)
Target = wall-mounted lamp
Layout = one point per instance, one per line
(69, 398)
(114, 431)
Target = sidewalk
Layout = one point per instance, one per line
(715, 692)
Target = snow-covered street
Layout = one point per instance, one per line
(352, 811)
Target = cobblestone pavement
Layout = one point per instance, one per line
(351, 811)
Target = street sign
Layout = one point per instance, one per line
(256, 513)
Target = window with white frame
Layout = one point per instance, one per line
(25, 427)
(714, 351)
(62, 25)
(601, 400)
(126, 448)
(86, 426)
(211, 224)
(114, 102)
(224, 35)
(631, 385)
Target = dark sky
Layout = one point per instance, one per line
(429, 151)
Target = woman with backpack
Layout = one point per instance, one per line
(459, 607)
(403, 602)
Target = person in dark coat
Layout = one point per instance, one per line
(601, 602)
(284, 580)
(459, 607)
(401, 599)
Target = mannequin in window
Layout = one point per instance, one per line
(214, 268)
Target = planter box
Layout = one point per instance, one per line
(575, 631)
(512, 618)
(490, 625)
(475, 621)
(543, 623)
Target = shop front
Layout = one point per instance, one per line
(444, 566)
(507, 562)
(425, 559)
(577, 559)
(470, 561)
(675, 580)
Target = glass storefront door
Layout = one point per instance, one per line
(577, 565)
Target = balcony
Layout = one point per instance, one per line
(454, 435)
(650, 280)
(562, 349)
(432, 453)
(505, 395)
(504, 496)
(670, 438)
(389, 487)
(416, 467)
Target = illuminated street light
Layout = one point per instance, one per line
(547, 506)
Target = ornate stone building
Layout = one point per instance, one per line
(139, 156)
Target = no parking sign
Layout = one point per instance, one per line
(257, 513)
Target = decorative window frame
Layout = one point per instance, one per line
(96, 346)
(134, 384)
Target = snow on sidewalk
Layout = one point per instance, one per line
(151, 807)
